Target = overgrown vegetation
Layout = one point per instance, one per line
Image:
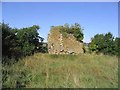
(75, 29)
(62, 71)
(17, 43)
(105, 43)
(100, 43)
(43, 70)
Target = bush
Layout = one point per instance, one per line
(105, 44)
(18, 43)
(75, 29)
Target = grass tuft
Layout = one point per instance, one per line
(63, 71)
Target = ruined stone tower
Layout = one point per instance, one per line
(58, 44)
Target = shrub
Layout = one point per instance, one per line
(75, 29)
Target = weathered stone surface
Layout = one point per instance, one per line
(58, 44)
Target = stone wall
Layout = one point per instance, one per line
(58, 44)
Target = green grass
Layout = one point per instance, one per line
(64, 71)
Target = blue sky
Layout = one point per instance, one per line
(94, 17)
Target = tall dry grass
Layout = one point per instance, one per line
(66, 71)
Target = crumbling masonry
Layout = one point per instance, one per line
(58, 44)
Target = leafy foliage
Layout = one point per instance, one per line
(75, 29)
(20, 42)
(104, 44)
(9, 41)
(29, 39)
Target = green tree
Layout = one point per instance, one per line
(97, 43)
(20, 42)
(29, 39)
(74, 29)
(109, 44)
(117, 46)
(8, 40)
(10, 47)
(103, 44)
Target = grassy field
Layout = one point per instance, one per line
(63, 71)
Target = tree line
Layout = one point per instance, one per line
(105, 43)
(17, 43)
